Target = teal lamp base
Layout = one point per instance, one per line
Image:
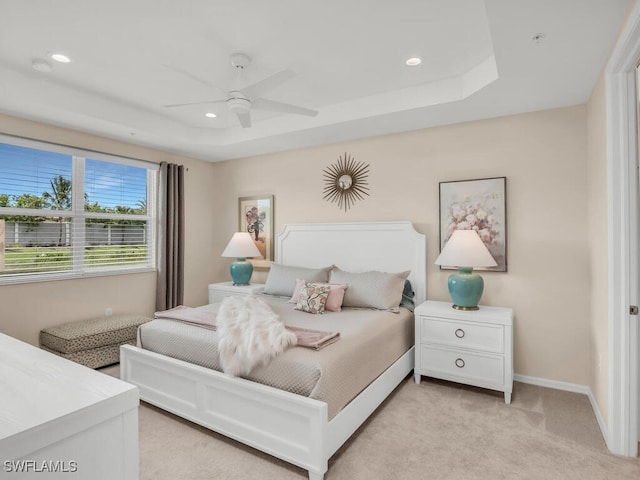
(241, 271)
(465, 288)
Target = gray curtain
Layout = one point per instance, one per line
(170, 288)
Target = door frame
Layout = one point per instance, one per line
(622, 210)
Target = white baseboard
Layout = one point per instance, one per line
(543, 382)
(569, 387)
(601, 423)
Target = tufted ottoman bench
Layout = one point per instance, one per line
(93, 343)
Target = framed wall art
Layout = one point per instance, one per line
(256, 217)
(479, 205)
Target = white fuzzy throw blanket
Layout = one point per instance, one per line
(249, 334)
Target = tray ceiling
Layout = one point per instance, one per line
(131, 58)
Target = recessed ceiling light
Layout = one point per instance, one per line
(413, 61)
(210, 115)
(41, 65)
(60, 57)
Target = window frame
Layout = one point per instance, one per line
(78, 215)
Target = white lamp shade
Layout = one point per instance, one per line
(241, 246)
(465, 249)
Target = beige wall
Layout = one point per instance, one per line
(27, 308)
(597, 237)
(542, 154)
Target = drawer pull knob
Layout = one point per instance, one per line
(459, 363)
(459, 333)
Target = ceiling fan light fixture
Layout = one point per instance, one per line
(413, 61)
(239, 104)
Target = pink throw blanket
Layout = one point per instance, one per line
(194, 316)
(307, 338)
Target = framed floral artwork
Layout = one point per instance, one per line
(256, 217)
(479, 205)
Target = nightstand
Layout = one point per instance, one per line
(218, 291)
(470, 347)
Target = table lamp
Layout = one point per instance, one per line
(241, 246)
(465, 250)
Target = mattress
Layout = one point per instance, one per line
(370, 341)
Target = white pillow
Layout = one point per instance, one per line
(380, 290)
(282, 278)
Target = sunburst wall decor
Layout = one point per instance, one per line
(345, 181)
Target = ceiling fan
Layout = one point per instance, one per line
(241, 101)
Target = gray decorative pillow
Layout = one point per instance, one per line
(373, 289)
(282, 278)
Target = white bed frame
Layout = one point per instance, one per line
(291, 427)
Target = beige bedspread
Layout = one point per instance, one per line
(370, 341)
(316, 339)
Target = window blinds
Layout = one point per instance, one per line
(67, 213)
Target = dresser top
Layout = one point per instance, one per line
(39, 387)
(485, 314)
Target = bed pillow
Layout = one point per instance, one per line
(380, 290)
(282, 278)
(313, 298)
(334, 301)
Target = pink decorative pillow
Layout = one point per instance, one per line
(336, 294)
(296, 291)
(313, 298)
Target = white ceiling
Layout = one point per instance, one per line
(132, 57)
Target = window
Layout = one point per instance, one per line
(68, 213)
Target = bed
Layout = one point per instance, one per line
(298, 429)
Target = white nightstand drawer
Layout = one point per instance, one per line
(476, 336)
(476, 368)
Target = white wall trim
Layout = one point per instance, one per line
(622, 210)
(555, 384)
(570, 387)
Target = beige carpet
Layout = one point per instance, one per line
(435, 430)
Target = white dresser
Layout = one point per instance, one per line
(61, 420)
(470, 347)
(218, 291)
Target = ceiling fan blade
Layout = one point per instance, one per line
(273, 106)
(245, 118)
(258, 89)
(193, 103)
(194, 77)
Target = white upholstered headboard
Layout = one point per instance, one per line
(357, 247)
